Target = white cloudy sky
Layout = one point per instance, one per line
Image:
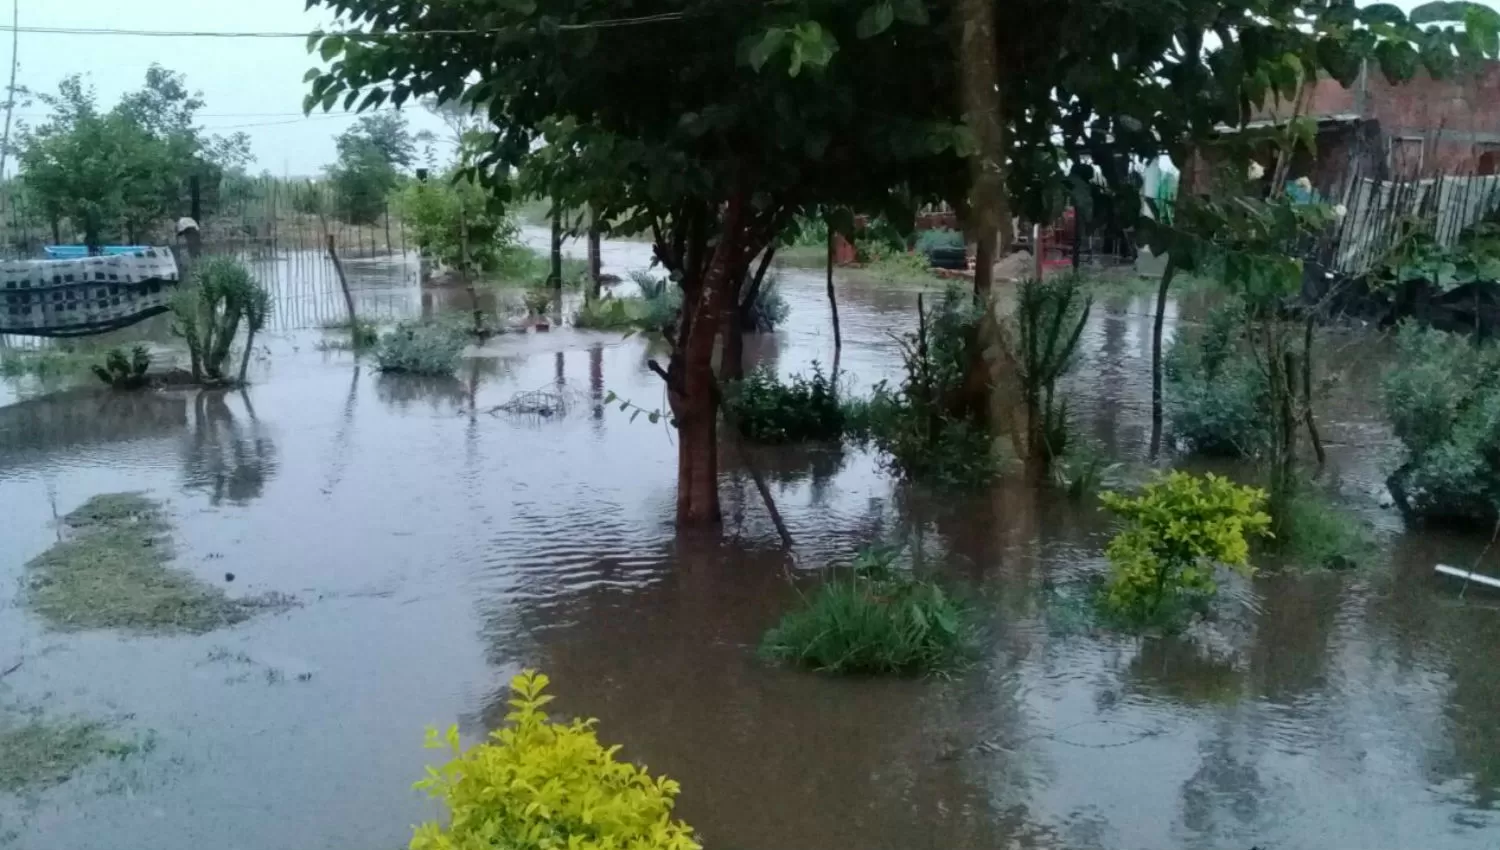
(254, 85)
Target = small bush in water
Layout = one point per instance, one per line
(1178, 530)
(1217, 398)
(919, 426)
(542, 785)
(1443, 401)
(122, 372)
(420, 349)
(873, 619)
(770, 411)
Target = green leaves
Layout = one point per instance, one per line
(331, 46)
(806, 44)
(876, 19)
(766, 47)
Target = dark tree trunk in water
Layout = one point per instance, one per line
(833, 301)
(1156, 365)
(596, 262)
(554, 274)
(691, 384)
(1185, 188)
(980, 83)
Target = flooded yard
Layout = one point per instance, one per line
(432, 546)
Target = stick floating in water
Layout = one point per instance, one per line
(1487, 581)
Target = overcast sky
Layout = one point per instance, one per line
(254, 85)
(244, 81)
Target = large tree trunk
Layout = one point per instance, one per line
(693, 392)
(983, 113)
(988, 204)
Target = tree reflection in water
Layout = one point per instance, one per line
(228, 457)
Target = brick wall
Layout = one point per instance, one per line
(1432, 126)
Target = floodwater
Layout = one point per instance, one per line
(437, 545)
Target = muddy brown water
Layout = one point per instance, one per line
(437, 548)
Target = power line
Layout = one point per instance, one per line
(353, 35)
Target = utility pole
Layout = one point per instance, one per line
(10, 100)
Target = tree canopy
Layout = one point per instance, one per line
(122, 171)
(708, 124)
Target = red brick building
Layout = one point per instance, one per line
(1420, 128)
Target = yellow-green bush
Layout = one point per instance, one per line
(1179, 528)
(541, 785)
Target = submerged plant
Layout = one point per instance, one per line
(538, 784)
(124, 373)
(420, 348)
(1443, 401)
(767, 309)
(768, 410)
(1178, 531)
(923, 428)
(111, 572)
(873, 619)
(1049, 320)
(1218, 401)
(42, 753)
(1314, 533)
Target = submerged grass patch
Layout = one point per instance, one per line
(874, 620)
(1315, 533)
(42, 753)
(112, 573)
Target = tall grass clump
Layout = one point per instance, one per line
(1314, 533)
(873, 619)
(420, 348)
(769, 410)
(1443, 401)
(1048, 322)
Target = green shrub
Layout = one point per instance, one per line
(873, 619)
(770, 411)
(1217, 399)
(1178, 530)
(1443, 401)
(769, 308)
(537, 784)
(919, 428)
(1049, 319)
(125, 373)
(425, 348)
(207, 314)
(655, 309)
(1316, 534)
(457, 223)
(1083, 471)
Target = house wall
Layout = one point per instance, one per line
(1428, 126)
